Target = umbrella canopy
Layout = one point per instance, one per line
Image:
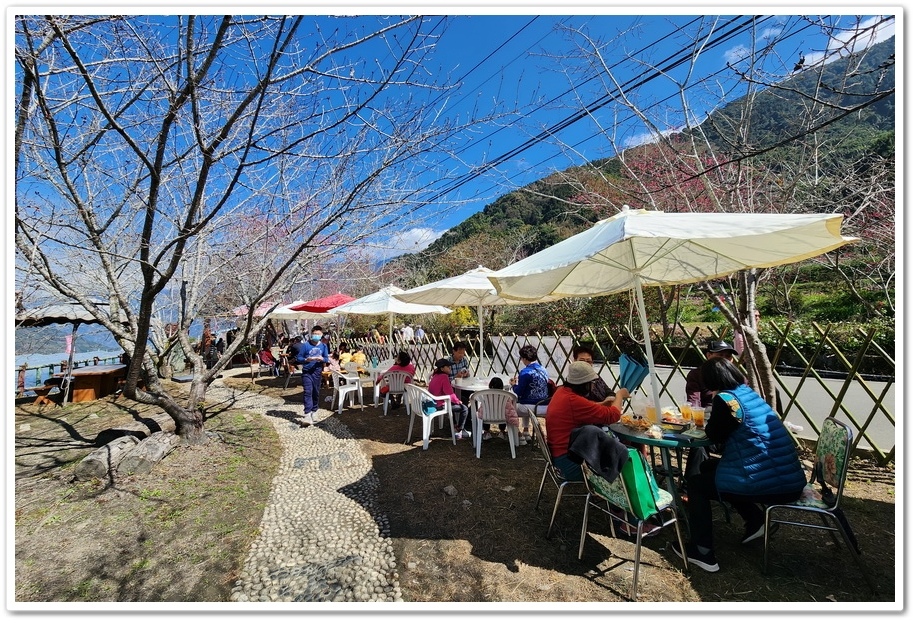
(60, 313)
(322, 305)
(637, 247)
(384, 302)
(288, 312)
(259, 312)
(471, 289)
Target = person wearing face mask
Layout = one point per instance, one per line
(312, 356)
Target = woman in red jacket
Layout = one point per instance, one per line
(569, 408)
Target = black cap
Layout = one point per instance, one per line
(441, 363)
(718, 346)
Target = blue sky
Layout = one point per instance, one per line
(530, 61)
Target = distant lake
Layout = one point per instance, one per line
(37, 361)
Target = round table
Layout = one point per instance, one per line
(668, 442)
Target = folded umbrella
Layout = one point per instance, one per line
(632, 372)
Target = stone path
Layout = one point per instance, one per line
(322, 536)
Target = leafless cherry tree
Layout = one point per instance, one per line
(173, 165)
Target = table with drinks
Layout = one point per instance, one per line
(678, 430)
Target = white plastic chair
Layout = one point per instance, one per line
(344, 385)
(417, 396)
(396, 381)
(491, 404)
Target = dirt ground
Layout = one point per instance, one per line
(181, 532)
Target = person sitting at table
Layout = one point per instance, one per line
(440, 385)
(345, 355)
(759, 463)
(333, 365)
(697, 393)
(599, 390)
(359, 357)
(266, 358)
(531, 387)
(570, 408)
(401, 364)
(511, 413)
(459, 364)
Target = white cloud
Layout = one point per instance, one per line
(410, 241)
(737, 54)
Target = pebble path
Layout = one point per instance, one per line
(322, 536)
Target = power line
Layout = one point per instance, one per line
(672, 61)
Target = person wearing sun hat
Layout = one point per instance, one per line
(569, 409)
(697, 394)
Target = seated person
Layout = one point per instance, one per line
(459, 363)
(359, 357)
(599, 390)
(333, 365)
(697, 393)
(266, 358)
(531, 385)
(569, 408)
(759, 463)
(401, 364)
(440, 385)
(345, 355)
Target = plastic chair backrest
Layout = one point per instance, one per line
(491, 403)
(834, 445)
(397, 381)
(343, 380)
(634, 490)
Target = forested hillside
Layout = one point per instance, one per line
(821, 140)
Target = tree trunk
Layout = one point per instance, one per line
(106, 459)
(143, 457)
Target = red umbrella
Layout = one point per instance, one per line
(322, 305)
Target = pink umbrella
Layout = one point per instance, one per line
(322, 305)
(261, 310)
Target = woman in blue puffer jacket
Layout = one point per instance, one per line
(759, 463)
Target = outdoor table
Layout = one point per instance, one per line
(665, 444)
(469, 384)
(93, 382)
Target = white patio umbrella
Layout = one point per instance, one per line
(641, 247)
(384, 302)
(467, 289)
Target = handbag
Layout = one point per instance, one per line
(429, 406)
(641, 486)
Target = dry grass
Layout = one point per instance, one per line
(181, 532)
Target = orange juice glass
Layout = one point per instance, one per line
(651, 414)
(699, 416)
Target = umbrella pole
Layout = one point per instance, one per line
(65, 386)
(653, 380)
(480, 325)
(391, 335)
